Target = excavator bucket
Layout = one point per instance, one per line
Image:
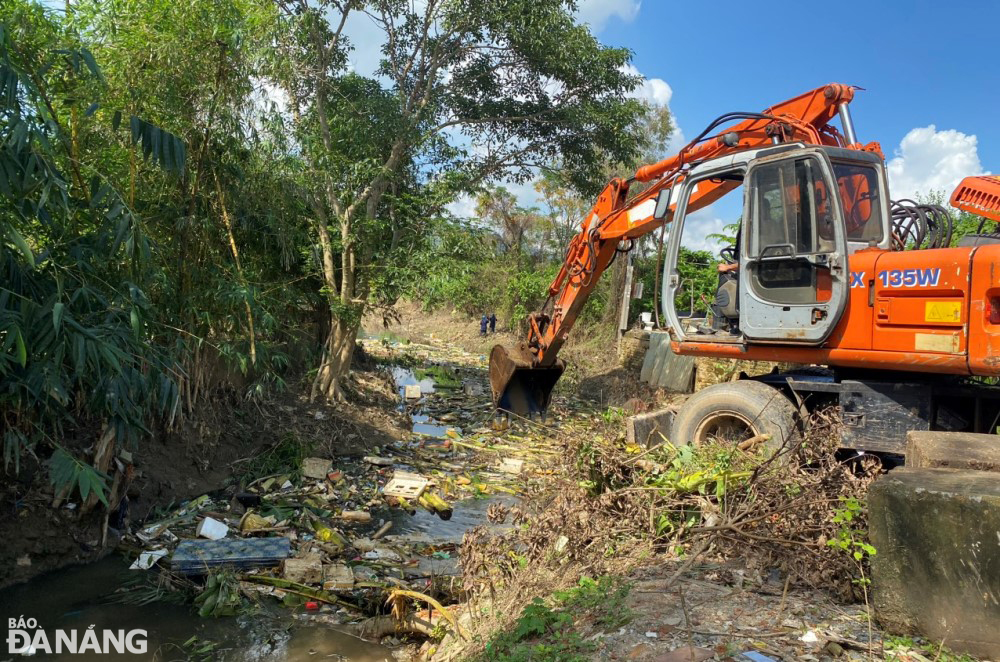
(518, 386)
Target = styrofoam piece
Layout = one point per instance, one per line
(212, 529)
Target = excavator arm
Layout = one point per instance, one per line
(522, 378)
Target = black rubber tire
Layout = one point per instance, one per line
(762, 408)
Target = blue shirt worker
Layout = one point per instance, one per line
(482, 324)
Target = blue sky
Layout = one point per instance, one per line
(931, 88)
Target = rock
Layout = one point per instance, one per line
(640, 651)
(833, 649)
(935, 572)
(929, 449)
(686, 654)
(315, 467)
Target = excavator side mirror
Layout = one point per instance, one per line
(662, 204)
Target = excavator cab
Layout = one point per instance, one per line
(805, 209)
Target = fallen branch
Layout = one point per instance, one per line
(433, 603)
(300, 589)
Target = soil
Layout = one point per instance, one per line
(203, 453)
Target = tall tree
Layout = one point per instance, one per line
(467, 93)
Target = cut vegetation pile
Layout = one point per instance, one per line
(791, 513)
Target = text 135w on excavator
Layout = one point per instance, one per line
(826, 271)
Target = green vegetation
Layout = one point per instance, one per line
(203, 197)
(902, 649)
(549, 630)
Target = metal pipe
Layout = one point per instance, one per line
(847, 123)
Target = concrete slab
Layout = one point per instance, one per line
(645, 429)
(937, 570)
(928, 449)
(661, 367)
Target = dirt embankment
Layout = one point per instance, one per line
(205, 452)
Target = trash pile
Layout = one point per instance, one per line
(338, 535)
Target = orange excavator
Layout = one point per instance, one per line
(898, 329)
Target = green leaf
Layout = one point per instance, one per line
(57, 314)
(15, 237)
(22, 350)
(134, 317)
(88, 57)
(135, 124)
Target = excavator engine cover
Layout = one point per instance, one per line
(518, 386)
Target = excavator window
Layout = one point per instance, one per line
(792, 223)
(858, 188)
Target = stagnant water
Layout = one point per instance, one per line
(77, 598)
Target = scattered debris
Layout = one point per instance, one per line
(212, 529)
(412, 391)
(405, 485)
(379, 461)
(315, 468)
(192, 557)
(511, 465)
(147, 560)
(306, 569)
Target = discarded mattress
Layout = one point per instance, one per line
(193, 557)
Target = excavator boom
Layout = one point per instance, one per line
(522, 377)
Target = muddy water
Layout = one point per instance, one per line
(79, 597)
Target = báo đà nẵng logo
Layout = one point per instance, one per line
(25, 637)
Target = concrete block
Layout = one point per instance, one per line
(661, 367)
(305, 570)
(645, 429)
(929, 449)
(315, 467)
(937, 570)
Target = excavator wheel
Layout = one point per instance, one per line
(734, 413)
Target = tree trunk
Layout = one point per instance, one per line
(338, 351)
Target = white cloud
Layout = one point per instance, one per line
(596, 13)
(654, 91)
(931, 160)
(657, 92)
(697, 227)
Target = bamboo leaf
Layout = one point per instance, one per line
(57, 314)
(88, 57)
(135, 125)
(15, 237)
(21, 349)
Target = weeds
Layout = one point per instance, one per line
(851, 541)
(283, 457)
(905, 649)
(545, 630)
